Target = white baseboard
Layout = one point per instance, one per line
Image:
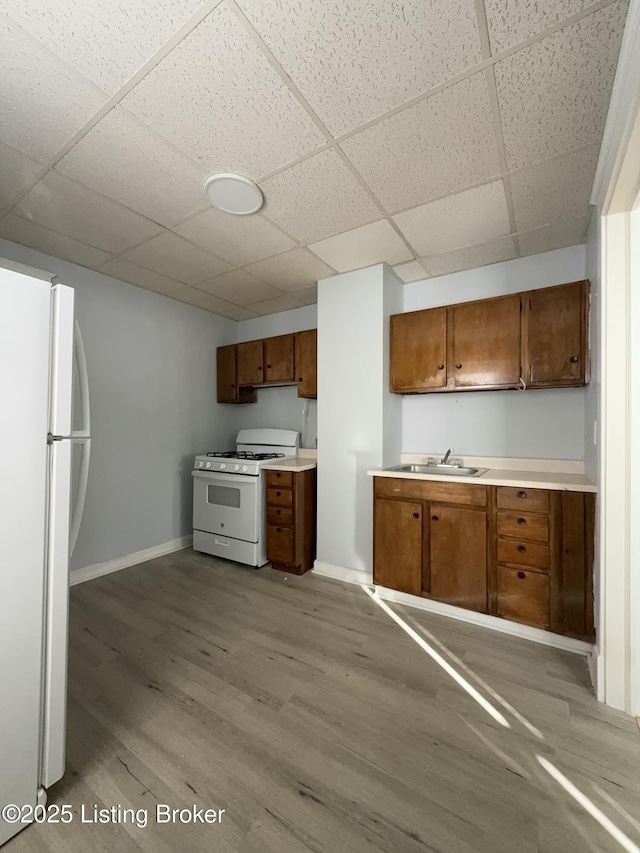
(98, 569)
(340, 573)
(515, 629)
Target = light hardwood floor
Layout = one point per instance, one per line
(298, 706)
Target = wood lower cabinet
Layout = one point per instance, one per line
(307, 363)
(291, 520)
(397, 544)
(517, 553)
(228, 390)
(556, 322)
(250, 357)
(279, 358)
(457, 571)
(419, 350)
(485, 343)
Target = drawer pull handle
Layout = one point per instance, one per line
(278, 530)
(441, 367)
(277, 512)
(277, 473)
(574, 359)
(277, 494)
(521, 575)
(434, 518)
(521, 548)
(521, 521)
(522, 494)
(458, 366)
(416, 515)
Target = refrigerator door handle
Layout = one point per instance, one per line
(61, 393)
(83, 384)
(56, 614)
(81, 436)
(81, 494)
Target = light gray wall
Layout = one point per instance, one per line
(151, 365)
(280, 407)
(547, 424)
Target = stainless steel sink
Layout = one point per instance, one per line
(443, 470)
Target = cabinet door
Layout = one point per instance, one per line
(486, 343)
(278, 359)
(458, 551)
(556, 347)
(307, 363)
(226, 374)
(250, 363)
(397, 545)
(419, 350)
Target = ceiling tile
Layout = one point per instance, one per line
(217, 97)
(105, 42)
(42, 103)
(470, 257)
(274, 306)
(295, 270)
(16, 173)
(238, 314)
(555, 191)
(552, 237)
(71, 209)
(554, 95)
(238, 239)
(431, 149)
(355, 61)
(473, 216)
(308, 296)
(201, 300)
(239, 287)
(133, 274)
(369, 244)
(317, 197)
(514, 21)
(411, 271)
(44, 240)
(171, 255)
(124, 160)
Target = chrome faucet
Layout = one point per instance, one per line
(446, 456)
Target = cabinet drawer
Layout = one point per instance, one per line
(523, 500)
(279, 515)
(528, 527)
(279, 544)
(530, 554)
(281, 479)
(523, 596)
(279, 497)
(428, 490)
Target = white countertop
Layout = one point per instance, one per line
(291, 463)
(563, 475)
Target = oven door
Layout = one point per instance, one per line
(227, 504)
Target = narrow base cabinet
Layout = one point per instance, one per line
(517, 553)
(291, 520)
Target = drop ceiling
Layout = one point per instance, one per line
(434, 136)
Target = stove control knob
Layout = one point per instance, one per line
(208, 464)
(236, 467)
(201, 464)
(245, 467)
(222, 466)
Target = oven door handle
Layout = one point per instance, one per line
(222, 476)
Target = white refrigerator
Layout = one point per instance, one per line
(43, 462)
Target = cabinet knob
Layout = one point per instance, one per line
(278, 494)
(521, 548)
(416, 515)
(277, 473)
(277, 512)
(574, 359)
(259, 367)
(441, 367)
(458, 366)
(521, 575)
(521, 521)
(268, 365)
(522, 494)
(278, 530)
(434, 518)
(232, 385)
(299, 378)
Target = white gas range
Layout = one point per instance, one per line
(229, 495)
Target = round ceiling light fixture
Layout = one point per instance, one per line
(234, 194)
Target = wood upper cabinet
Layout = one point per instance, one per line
(419, 350)
(250, 363)
(279, 354)
(227, 380)
(555, 340)
(485, 343)
(458, 557)
(397, 545)
(307, 363)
